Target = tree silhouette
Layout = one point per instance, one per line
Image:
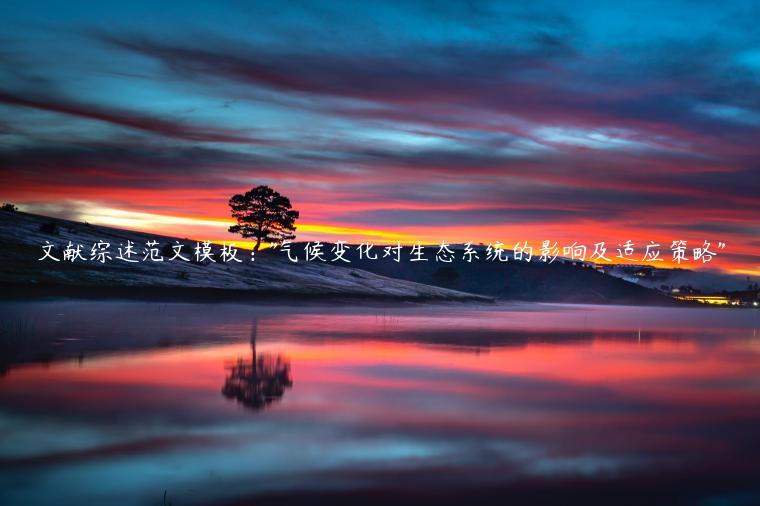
(261, 381)
(264, 214)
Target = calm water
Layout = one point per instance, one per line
(117, 402)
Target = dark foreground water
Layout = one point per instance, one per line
(119, 403)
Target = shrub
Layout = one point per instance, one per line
(8, 207)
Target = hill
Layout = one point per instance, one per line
(22, 236)
(512, 280)
(272, 274)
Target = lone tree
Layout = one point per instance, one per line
(264, 214)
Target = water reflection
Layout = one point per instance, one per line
(260, 381)
(513, 404)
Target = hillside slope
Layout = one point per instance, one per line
(22, 236)
(512, 280)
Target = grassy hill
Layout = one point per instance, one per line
(272, 274)
(22, 236)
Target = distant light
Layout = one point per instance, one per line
(755, 303)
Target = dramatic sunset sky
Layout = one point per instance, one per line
(569, 121)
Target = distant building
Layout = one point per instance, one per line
(721, 300)
(746, 298)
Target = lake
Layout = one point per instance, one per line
(112, 402)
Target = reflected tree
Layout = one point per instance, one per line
(260, 381)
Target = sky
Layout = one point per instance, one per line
(383, 121)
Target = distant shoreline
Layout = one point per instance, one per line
(11, 292)
(210, 295)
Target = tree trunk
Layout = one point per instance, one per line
(258, 243)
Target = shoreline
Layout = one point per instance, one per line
(19, 292)
(212, 295)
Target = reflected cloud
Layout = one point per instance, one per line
(550, 401)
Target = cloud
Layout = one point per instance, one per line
(489, 87)
(128, 119)
(392, 116)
